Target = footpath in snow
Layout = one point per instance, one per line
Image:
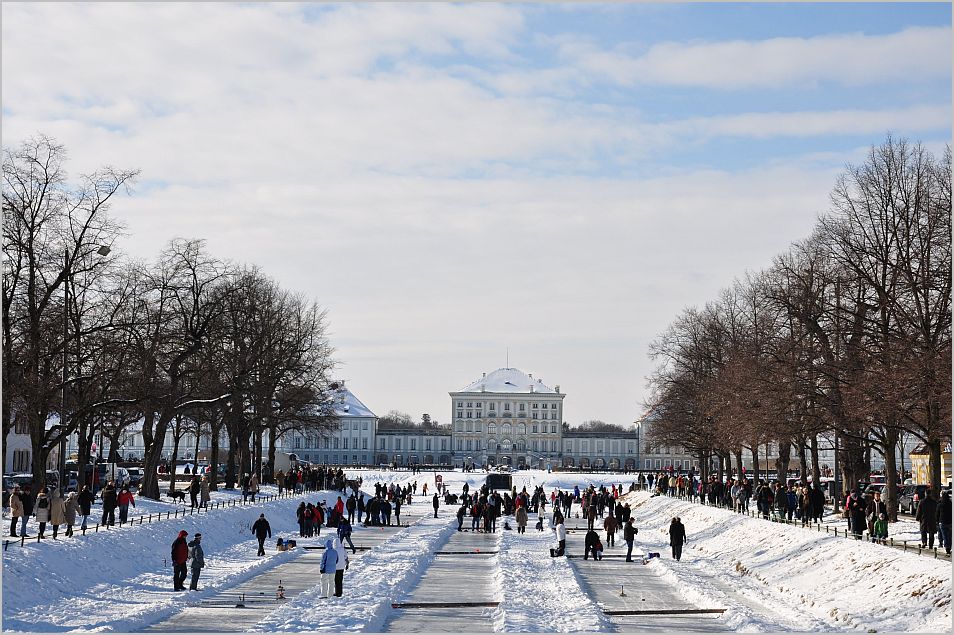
(373, 582)
(772, 576)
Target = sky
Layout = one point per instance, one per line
(467, 186)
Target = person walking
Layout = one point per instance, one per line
(194, 488)
(344, 533)
(85, 500)
(944, 520)
(57, 511)
(180, 554)
(205, 495)
(461, 514)
(72, 508)
(629, 535)
(329, 564)
(125, 499)
(521, 518)
(437, 503)
(253, 486)
(262, 530)
(16, 510)
(42, 511)
(926, 517)
(610, 525)
(197, 560)
(677, 537)
(27, 501)
(110, 500)
(340, 566)
(856, 515)
(351, 505)
(397, 511)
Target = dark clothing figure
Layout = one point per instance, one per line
(180, 554)
(109, 505)
(262, 530)
(677, 537)
(589, 543)
(629, 535)
(927, 519)
(198, 561)
(437, 503)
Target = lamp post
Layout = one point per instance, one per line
(102, 251)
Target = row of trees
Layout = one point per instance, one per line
(846, 336)
(94, 340)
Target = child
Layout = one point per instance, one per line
(599, 550)
(880, 530)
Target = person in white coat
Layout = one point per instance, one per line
(561, 540)
(341, 566)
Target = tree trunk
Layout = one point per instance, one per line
(703, 467)
(755, 462)
(721, 472)
(890, 494)
(176, 437)
(230, 466)
(198, 437)
(214, 456)
(258, 454)
(114, 456)
(272, 440)
(153, 443)
(816, 469)
(739, 465)
(784, 458)
(934, 454)
(802, 463)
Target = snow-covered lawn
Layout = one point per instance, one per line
(121, 579)
(803, 580)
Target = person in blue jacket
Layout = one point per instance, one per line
(329, 564)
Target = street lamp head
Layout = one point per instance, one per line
(103, 251)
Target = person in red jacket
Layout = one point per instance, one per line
(125, 499)
(180, 554)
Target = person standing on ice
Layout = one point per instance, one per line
(521, 518)
(677, 537)
(437, 503)
(560, 531)
(85, 500)
(180, 553)
(329, 564)
(610, 525)
(629, 535)
(944, 520)
(262, 530)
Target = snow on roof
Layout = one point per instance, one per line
(347, 405)
(508, 380)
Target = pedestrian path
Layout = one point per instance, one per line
(618, 586)
(241, 607)
(462, 572)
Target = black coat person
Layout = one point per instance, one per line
(677, 537)
(262, 530)
(589, 544)
(360, 506)
(437, 503)
(109, 504)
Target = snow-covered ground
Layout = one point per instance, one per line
(773, 576)
(121, 579)
(768, 576)
(536, 590)
(374, 580)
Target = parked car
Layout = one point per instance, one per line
(906, 502)
(135, 476)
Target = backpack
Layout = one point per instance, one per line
(43, 503)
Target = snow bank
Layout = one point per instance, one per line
(373, 581)
(536, 591)
(801, 578)
(121, 579)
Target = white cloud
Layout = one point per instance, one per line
(920, 53)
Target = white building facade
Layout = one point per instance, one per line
(507, 418)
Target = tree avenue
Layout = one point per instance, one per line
(93, 340)
(848, 333)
